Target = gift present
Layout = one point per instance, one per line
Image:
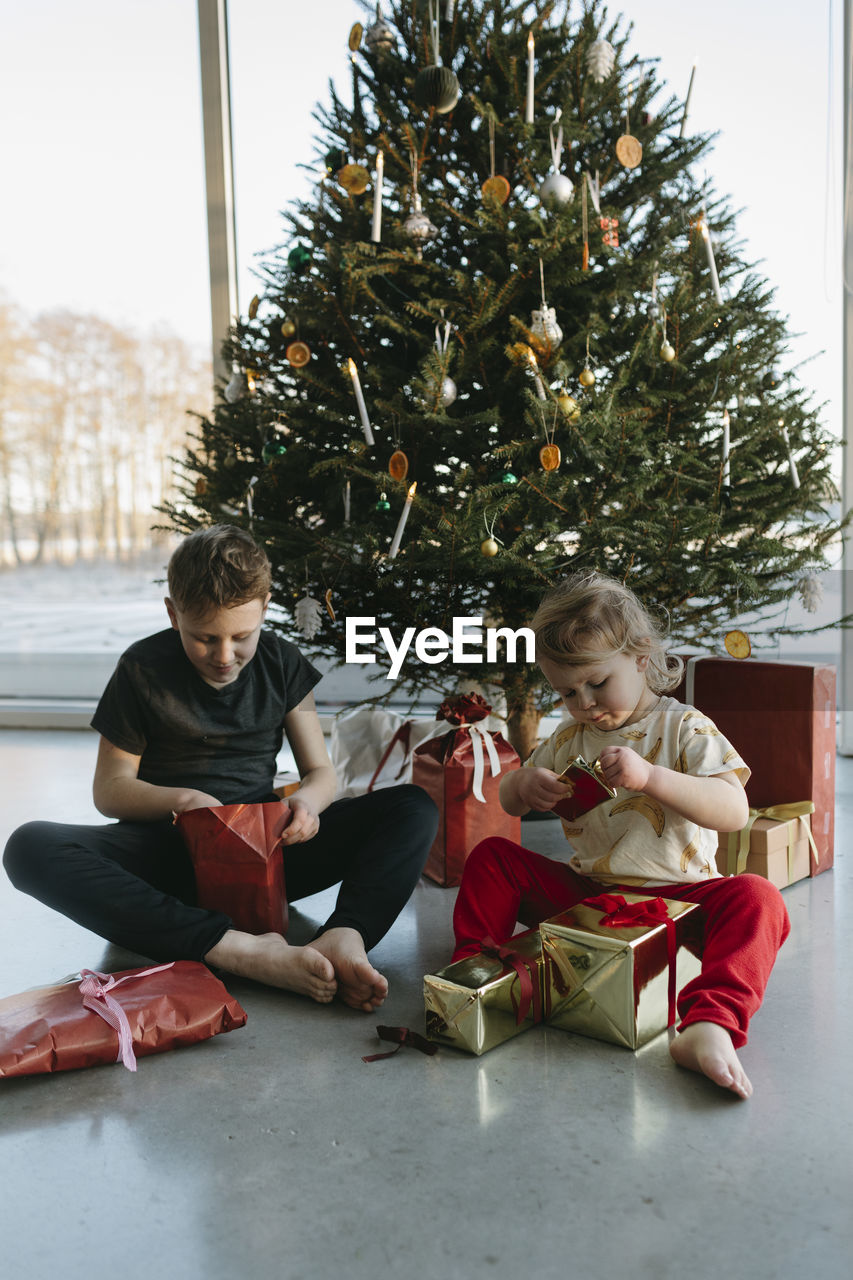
(614, 965)
(236, 855)
(100, 1017)
(372, 748)
(781, 718)
(485, 999)
(588, 789)
(454, 772)
(776, 843)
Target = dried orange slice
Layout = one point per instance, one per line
(496, 188)
(737, 644)
(550, 457)
(398, 465)
(298, 354)
(629, 151)
(354, 178)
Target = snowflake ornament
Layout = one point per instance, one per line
(810, 591)
(600, 57)
(309, 615)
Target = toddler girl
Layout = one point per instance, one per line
(603, 654)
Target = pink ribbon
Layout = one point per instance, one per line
(95, 989)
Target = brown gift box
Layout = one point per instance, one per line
(615, 983)
(777, 848)
(474, 1004)
(780, 716)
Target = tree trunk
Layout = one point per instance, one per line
(523, 725)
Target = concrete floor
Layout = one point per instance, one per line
(276, 1152)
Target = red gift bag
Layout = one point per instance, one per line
(236, 854)
(461, 771)
(101, 1017)
(780, 716)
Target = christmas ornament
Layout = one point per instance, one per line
(401, 523)
(288, 328)
(489, 547)
(359, 399)
(253, 307)
(236, 387)
(436, 86)
(354, 179)
(629, 151)
(378, 180)
(379, 36)
(810, 592)
(600, 58)
(587, 377)
(667, 351)
(200, 487)
(509, 479)
(383, 504)
(355, 34)
(543, 323)
(273, 449)
(610, 232)
(496, 187)
(250, 498)
(418, 226)
(309, 616)
(557, 189)
(328, 599)
(568, 406)
(447, 392)
(687, 101)
(398, 465)
(335, 159)
(528, 105)
(549, 454)
(299, 257)
(737, 644)
(298, 354)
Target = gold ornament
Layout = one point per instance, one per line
(629, 150)
(587, 377)
(398, 465)
(667, 352)
(329, 609)
(569, 406)
(356, 32)
(550, 457)
(298, 354)
(253, 307)
(488, 547)
(288, 329)
(354, 178)
(496, 188)
(737, 644)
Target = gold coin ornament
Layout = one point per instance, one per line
(629, 150)
(488, 547)
(587, 377)
(288, 328)
(356, 32)
(298, 354)
(568, 406)
(737, 644)
(550, 456)
(354, 178)
(398, 465)
(496, 188)
(253, 307)
(667, 352)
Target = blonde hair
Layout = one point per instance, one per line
(219, 567)
(588, 617)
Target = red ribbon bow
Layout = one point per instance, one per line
(621, 914)
(528, 979)
(400, 1036)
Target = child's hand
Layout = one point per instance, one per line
(540, 788)
(304, 821)
(623, 767)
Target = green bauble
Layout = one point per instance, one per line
(509, 479)
(299, 257)
(273, 449)
(383, 505)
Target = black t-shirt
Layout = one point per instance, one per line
(223, 741)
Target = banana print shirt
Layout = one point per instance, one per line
(634, 839)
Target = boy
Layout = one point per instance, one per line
(193, 717)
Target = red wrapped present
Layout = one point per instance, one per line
(461, 771)
(236, 855)
(103, 1017)
(780, 716)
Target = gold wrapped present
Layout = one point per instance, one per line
(483, 1000)
(614, 965)
(777, 843)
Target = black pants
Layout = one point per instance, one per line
(132, 882)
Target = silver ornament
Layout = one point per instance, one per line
(557, 190)
(543, 325)
(379, 36)
(236, 388)
(600, 57)
(418, 226)
(811, 592)
(448, 393)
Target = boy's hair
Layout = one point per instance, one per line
(219, 567)
(588, 617)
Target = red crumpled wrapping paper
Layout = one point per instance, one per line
(50, 1029)
(236, 855)
(444, 768)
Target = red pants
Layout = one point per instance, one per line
(745, 923)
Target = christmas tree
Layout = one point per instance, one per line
(515, 323)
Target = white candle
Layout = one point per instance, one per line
(712, 265)
(347, 501)
(376, 232)
(528, 115)
(792, 466)
(359, 397)
(727, 471)
(540, 389)
(448, 12)
(401, 523)
(687, 99)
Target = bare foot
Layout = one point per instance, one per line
(266, 957)
(359, 984)
(707, 1047)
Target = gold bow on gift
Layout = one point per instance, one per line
(738, 843)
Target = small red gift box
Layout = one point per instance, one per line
(461, 771)
(780, 716)
(113, 1017)
(236, 855)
